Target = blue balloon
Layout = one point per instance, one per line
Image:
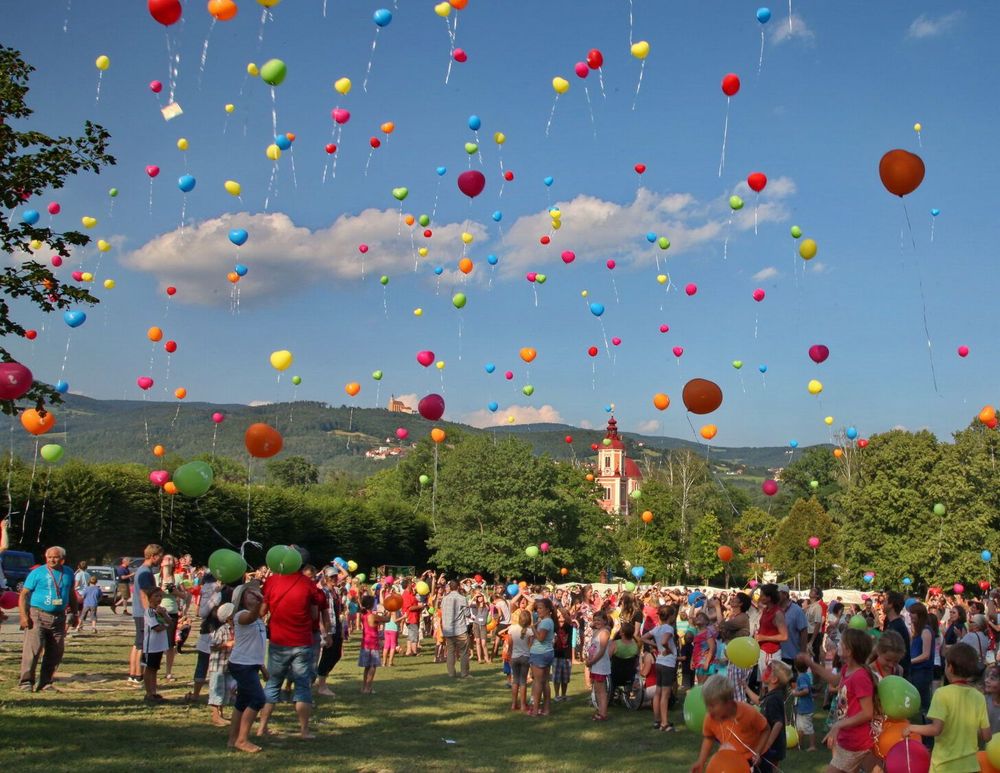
(851, 433)
(907, 581)
(489, 367)
(493, 406)
(240, 269)
(512, 589)
(910, 601)
(475, 123)
(438, 270)
(30, 216)
(793, 443)
(548, 180)
(498, 216)
(441, 170)
(74, 318)
(696, 599)
(597, 309)
(238, 237)
(492, 259)
(986, 555)
(763, 15)
(650, 237)
(340, 562)
(869, 579)
(762, 368)
(935, 212)
(62, 387)
(186, 183)
(608, 409)
(638, 572)
(382, 17)
(282, 142)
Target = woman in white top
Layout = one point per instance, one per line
(245, 664)
(519, 638)
(599, 662)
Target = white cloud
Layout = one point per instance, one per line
(523, 414)
(793, 28)
(258, 403)
(765, 273)
(585, 424)
(648, 427)
(818, 266)
(926, 27)
(282, 257)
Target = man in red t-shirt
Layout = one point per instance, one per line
(411, 608)
(294, 603)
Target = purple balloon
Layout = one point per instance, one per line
(431, 407)
(15, 380)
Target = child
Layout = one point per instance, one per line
(772, 706)
(684, 658)
(661, 639)
(958, 716)
(991, 686)
(91, 598)
(703, 649)
(850, 736)
(439, 647)
(154, 643)
(599, 662)
(220, 683)
(804, 706)
(246, 661)
(368, 657)
(562, 666)
(889, 650)
(735, 726)
(519, 653)
(391, 639)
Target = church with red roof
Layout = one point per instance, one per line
(616, 474)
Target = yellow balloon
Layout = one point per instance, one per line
(828, 420)
(439, 364)
(422, 251)
(230, 107)
(281, 359)
(662, 278)
(102, 63)
(561, 85)
(807, 250)
(268, 3)
(102, 245)
(273, 152)
(584, 294)
(86, 276)
(467, 238)
(342, 85)
(35, 244)
(88, 222)
(418, 312)
(109, 284)
(442, 9)
(252, 70)
(232, 187)
(510, 419)
(640, 50)
(815, 387)
(556, 225)
(555, 213)
(499, 138)
(917, 127)
(182, 144)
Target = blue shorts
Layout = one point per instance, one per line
(542, 660)
(295, 663)
(249, 693)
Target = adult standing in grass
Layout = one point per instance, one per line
(123, 576)
(45, 597)
(144, 583)
(541, 657)
(455, 628)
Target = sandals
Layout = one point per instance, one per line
(599, 718)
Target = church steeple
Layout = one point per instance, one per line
(616, 474)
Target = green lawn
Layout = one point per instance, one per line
(94, 722)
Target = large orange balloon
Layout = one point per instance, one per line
(988, 413)
(985, 766)
(393, 602)
(701, 396)
(892, 733)
(727, 761)
(465, 265)
(901, 171)
(262, 441)
(725, 553)
(37, 423)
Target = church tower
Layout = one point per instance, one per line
(617, 475)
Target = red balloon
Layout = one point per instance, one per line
(331, 148)
(262, 441)
(984, 585)
(15, 380)
(569, 438)
(31, 335)
(592, 351)
(375, 142)
(757, 181)
(431, 407)
(166, 12)
(595, 59)
(730, 84)
(863, 443)
(769, 487)
(471, 183)
(908, 756)
(701, 396)
(901, 171)
(170, 346)
(581, 70)
(508, 175)
(640, 168)
(818, 353)
(171, 290)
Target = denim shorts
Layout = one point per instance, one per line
(220, 688)
(542, 660)
(249, 693)
(295, 663)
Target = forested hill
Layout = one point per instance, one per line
(333, 438)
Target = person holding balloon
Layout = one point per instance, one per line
(771, 628)
(740, 730)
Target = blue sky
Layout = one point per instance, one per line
(844, 86)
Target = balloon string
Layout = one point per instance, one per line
(600, 78)
(725, 135)
(552, 114)
(638, 85)
(197, 505)
(97, 100)
(31, 483)
(760, 62)
(451, 50)
(434, 487)
(923, 299)
(630, 23)
(789, 15)
(204, 52)
(711, 472)
(45, 498)
(371, 58)
(69, 7)
(249, 492)
(590, 107)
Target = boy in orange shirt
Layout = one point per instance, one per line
(735, 726)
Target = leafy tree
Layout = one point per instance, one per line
(703, 553)
(754, 532)
(295, 471)
(790, 554)
(815, 464)
(31, 163)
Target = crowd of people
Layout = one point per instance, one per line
(269, 638)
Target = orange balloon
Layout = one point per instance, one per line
(37, 423)
(564, 571)
(837, 453)
(409, 220)
(290, 136)
(661, 401)
(233, 277)
(223, 10)
(393, 602)
(701, 396)
(727, 761)
(709, 431)
(438, 435)
(353, 388)
(180, 393)
(159, 450)
(522, 584)
(647, 517)
(987, 414)
(170, 487)
(388, 127)
(262, 441)
(528, 354)
(465, 266)
(458, 5)
(901, 171)
(590, 477)
(985, 766)
(725, 553)
(154, 334)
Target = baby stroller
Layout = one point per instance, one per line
(625, 685)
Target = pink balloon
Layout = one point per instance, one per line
(769, 487)
(77, 276)
(531, 276)
(218, 418)
(581, 69)
(144, 382)
(664, 328)
(159, 477)
(388, 579)
(678, 351)
(425, 358)
(402, 433)
(814, 542)
(15, 380)
(459, 55)
(340, 115)
(963, 351)
(54, 208)
(544, 547)
(152, 170)
(431, 407)
(818, 353)
(362, 248)
(56, 261)
(610, 264)
(509, 375)
(471, 182)
(908, 756)
(958, 588)
(155, 86)
(568, 256)
(752, 583)
(758, 295)
(616, 341)
(691, 289)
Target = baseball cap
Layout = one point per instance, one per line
(330, 571)
(225, 611)
(783, 588)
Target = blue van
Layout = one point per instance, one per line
(16, 565)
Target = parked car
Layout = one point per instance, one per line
(105, 581)
(16, 565)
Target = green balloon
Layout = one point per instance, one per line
(664, 242)
(531, 551)
(630, 586)
(636, 494)
(424, 220)
(400, 193)
(296, 380)
(528, 390)
(899, 698)
(606, 441)
(227, 565)
(796, 232)
(52, 452)
(384, 279)
(361, 577)
(737, 364)
(113, 192)
(377, 375)
(694, 710)
(193, 479)
(940, 509)
(735, 203)
(540, 278)
(273, 72)
(282, 559)
(743, 652)
(858, 622)
(814, 484)
(458, 300)
(424, 480)
(471, 147)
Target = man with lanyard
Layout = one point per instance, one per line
(45, 597)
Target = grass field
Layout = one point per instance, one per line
(93, 721)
